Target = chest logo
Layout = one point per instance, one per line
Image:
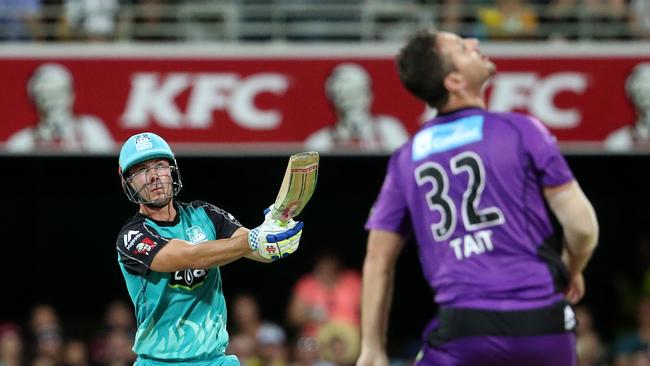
(188, 279)
(196, 235)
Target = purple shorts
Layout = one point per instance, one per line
(558, 349)
(543, 350)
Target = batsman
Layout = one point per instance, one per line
(170, 252)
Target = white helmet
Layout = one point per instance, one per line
(50, 87)
(348, 87)
(638, 87)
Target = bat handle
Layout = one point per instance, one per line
(283, 215)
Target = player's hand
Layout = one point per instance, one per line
(374, 358)
(576, 289)
(275, 239)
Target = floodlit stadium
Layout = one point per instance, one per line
(235, 87)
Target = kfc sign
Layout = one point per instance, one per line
(152, 100)
(291, 99)
(529, 92)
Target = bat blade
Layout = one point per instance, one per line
(297, 186)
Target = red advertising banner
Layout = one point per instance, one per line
(94, 101)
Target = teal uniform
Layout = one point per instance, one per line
(182, 315)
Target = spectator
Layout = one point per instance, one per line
(639, 21)
(49, 345)
(320, 20)
(247, 318)
(118, 317)
(46, 333)
(272, 346)
(306, 352)
(326, 301)
(19, 20)
(268, 339)
(155, 21)
(75, 353)
(118, 349)
(561, 18)
(589, 347)
(640, 357)
(244, 346)
(90, 20)
(11, 345)
(452, 15)
(608, 18)
(627, 346)
(508, 19)
(605, 8)
(339, 343)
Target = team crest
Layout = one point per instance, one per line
(196, 235)
(143, 142)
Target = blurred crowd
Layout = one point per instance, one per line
(318, 20)
(321, 328)
(42, 341)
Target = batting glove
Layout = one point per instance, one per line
(275, 239)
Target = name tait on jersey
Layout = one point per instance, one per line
(475, 243)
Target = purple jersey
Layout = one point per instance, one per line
(469, 185)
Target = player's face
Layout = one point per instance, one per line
(152, 180)
(466, 58)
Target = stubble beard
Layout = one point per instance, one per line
(163, 198)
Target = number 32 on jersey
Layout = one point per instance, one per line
(475, 242)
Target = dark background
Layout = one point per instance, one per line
(61, 217)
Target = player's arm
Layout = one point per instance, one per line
(269, 241)
(227, 226)
(578, 219)
(378, 276)
(580, 226)
(179, 255)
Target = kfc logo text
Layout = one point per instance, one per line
(528, 91)
(152, 96)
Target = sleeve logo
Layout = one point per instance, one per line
(130, 238)
(145, 246)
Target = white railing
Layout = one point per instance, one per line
(238, 21)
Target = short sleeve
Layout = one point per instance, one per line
(137, 245)
(390, 210)
(550, 166)
(224, 223)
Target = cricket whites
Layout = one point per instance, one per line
(297, 186)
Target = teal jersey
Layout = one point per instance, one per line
(181, 316)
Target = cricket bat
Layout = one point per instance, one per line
(297, 186)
